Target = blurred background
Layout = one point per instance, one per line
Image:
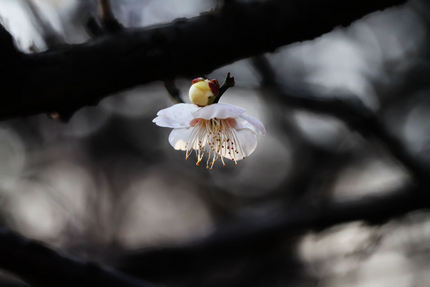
(107, 184)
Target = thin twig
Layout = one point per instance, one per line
(174, 92)
(228, 83)
(108, 20)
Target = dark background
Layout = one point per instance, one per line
(334, 195)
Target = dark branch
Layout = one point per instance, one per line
(66, 79)
(41, 266)
(173, 91)
(228, 83)
(241, 240)
(351, 111)
(109, 22)
(104, 22)
(8, 48)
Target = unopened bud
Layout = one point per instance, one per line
(203, 91)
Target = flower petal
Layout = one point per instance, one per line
(246, 121)
(176, 116)
(247, 141)
(219, 110)
(178, 138)
(168, 122)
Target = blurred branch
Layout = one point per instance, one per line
(7, 47)
(105, 22)
(174, 92)
(351, 111)
(41, 266)
(224, 249)
(108, 20)
(66, 79)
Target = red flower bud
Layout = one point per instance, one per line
(214, 85)
(197, 80)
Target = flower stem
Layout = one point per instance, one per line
(228, 83)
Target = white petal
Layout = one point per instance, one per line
(178, 138)
(176, 116)
(219, 110)
(169, 123)
(246, 121)
(247, 141)
(178, 109)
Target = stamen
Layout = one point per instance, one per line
(217, 138)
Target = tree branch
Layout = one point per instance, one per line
(108, 20)
(351, 111)
(217, 252)
(41, 266)
(173, 91)
(68, 78)
(228, 83)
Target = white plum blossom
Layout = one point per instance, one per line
(216, 129)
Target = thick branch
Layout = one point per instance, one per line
(66, 79)
(40, 266)
(242, 240)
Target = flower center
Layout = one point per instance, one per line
(215, 137)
